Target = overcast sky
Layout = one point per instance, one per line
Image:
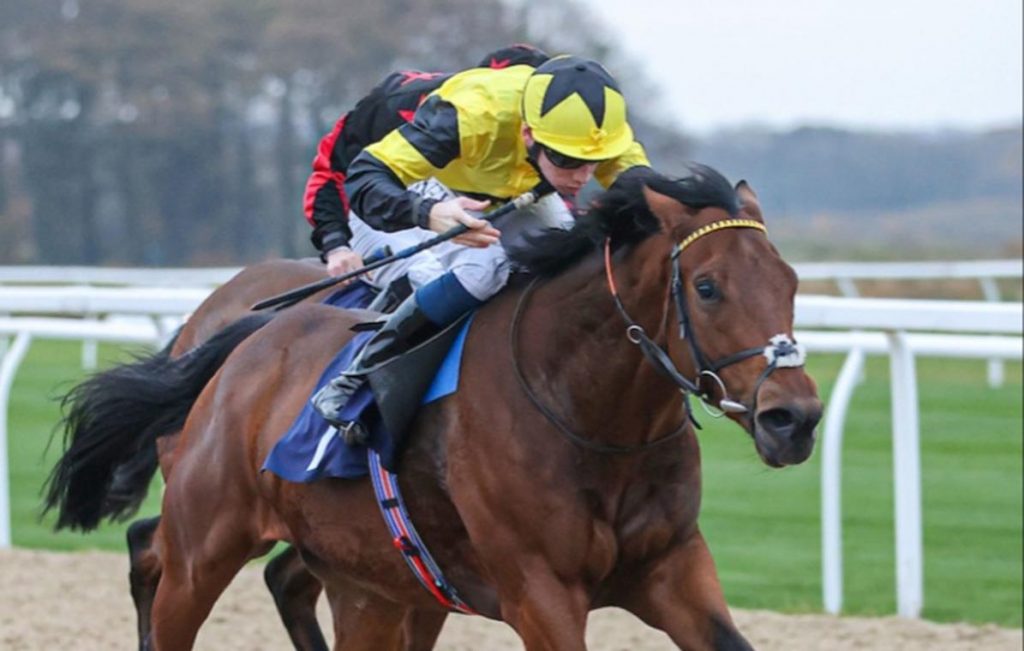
(865, 63)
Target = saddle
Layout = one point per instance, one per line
(385, 405)
(404, 383)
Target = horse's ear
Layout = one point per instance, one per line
(668, 210)
(748, 201)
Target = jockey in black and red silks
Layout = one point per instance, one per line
(390, 104)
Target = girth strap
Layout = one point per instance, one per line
(407, 541)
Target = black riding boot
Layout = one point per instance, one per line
(395, 337)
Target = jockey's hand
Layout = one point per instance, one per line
(446, 215)
(343, 260)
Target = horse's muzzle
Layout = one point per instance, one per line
(784, 433)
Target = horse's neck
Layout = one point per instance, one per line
(579, 354)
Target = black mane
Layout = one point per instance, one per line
(622, 214)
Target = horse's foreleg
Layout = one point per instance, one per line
(680, 594)
(550, 615)
(295, 592)
(420, 629)
(144, 571)
(363, 620)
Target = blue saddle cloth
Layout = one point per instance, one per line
(311, 448)
(356, 295)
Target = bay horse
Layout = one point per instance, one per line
(110, 482)
(578, 487)
(294, 589)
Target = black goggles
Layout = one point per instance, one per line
(565, 162)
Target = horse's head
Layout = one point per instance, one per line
(733, 297)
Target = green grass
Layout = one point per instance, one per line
(48, 371)
(762, 524)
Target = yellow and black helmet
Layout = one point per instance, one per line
(574, 107)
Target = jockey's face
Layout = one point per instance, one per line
(569, 180)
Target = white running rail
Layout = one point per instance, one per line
(897, 327)
(24, 329)
(894, 320)
(987, 272)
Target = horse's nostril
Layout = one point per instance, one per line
(780, 422)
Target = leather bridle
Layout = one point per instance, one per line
(781, 350)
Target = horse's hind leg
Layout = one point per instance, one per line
(211, 524)
(144, 573)
(295, 592)
(198, 561)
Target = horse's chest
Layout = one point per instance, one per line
(612, 546)
(643, 518)
(603, 551)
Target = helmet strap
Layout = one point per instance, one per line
(533, 157)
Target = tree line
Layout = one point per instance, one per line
(141, 132)
(151, 133)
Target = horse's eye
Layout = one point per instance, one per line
(707, 289)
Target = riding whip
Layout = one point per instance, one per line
(293, 296)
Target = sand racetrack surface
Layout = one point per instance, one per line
(80, 601)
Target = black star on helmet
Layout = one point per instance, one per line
(576, 75)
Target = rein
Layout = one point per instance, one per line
(564, 429)
(781, 351)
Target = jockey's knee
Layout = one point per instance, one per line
(483, 277)
(424, 268)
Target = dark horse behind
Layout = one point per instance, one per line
(563, 476)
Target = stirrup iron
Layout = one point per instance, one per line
(353, 433)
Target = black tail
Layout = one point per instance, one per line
(112, 421)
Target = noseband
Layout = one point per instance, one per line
(780, 352)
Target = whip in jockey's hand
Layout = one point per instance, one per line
(345, 244)
(343, 260)
(446, 215)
